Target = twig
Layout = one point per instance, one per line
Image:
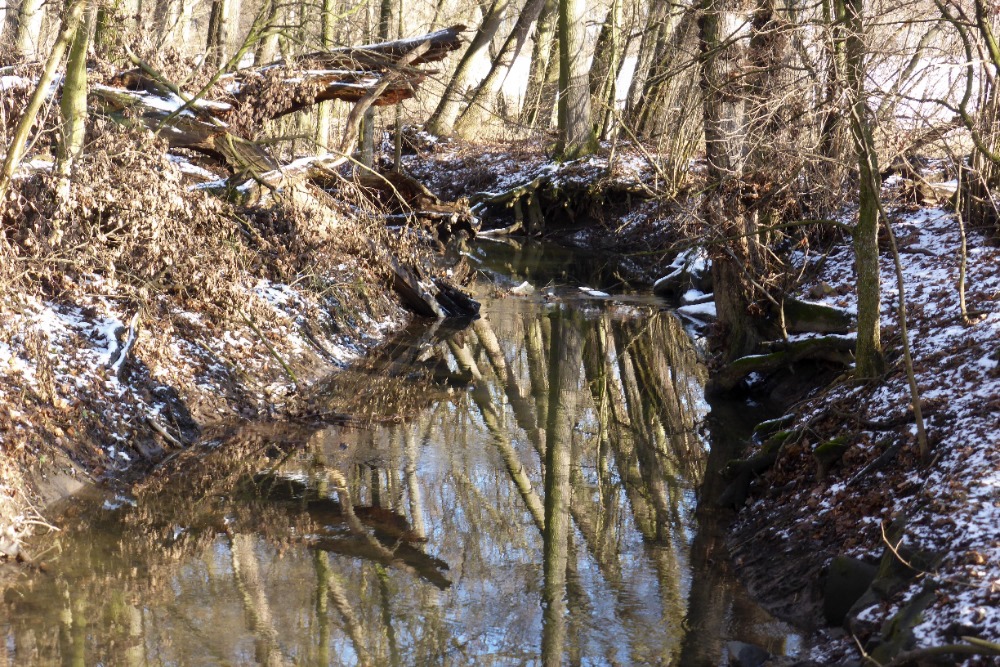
(163, 432)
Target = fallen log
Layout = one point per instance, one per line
(808, 317)
(435, 298)
(347, 74)
(833, 348)
(376, 74)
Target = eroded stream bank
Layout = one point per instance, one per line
(527, 487)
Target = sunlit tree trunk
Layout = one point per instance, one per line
(576, 133)
(73, 103)
(657, 26)
(28, 37)
(16, 148)
(442, 121)
(650, 108)
(324, 111)
(366, 138)
(604, 72)
(268, 51)
(476, 112)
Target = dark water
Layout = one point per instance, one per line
(522, 491)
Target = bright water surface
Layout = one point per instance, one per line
(522, 490)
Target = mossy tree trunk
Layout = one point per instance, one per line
(73, 103)
(870, 362)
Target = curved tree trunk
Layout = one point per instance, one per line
(476, 112)
(442, 121)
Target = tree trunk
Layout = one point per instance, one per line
(324, 112)
(474, 116)
(576, 134)
(442, 121)
(28, 38)
(540, 96)
(268, 50)
(659, 25)
(735, 258)
(215, 43)
(73, 103)
(870, 362)
(604, 71)
(104, 32)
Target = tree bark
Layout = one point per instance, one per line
(576, 133)
(474, 116)
(870, 362)
(442, 121)
(27, 39)
(73, 103)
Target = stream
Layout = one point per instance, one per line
(533, 487)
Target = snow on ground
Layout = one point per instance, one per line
(951, 505)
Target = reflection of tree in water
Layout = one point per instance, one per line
(538, 506)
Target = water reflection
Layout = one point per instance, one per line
(518, 492)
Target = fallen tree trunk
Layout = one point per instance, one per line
(347, 74)
(376, 74)
(435, 298)
(835, 349)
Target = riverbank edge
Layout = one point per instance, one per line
(214, 373)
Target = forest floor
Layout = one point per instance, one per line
(932, 525)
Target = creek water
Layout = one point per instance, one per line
(532, 487)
